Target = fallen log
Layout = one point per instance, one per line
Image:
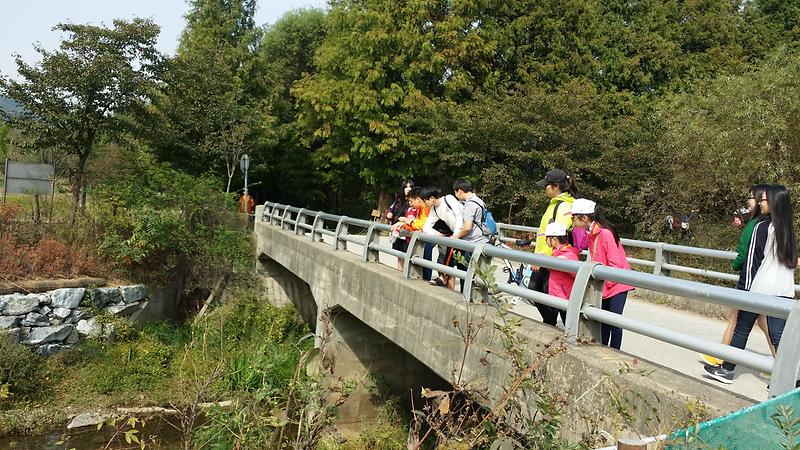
(34, 286)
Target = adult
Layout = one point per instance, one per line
(473, 217)
(399, 208)
(446, 218)
(561, 192)
(605, 248)
(741, 257)
(770, 267)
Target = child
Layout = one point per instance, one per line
(560, 283)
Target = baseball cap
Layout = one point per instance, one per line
(582, 206)
(554, 176)
(555, 229)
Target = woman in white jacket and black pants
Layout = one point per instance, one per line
(769, 269)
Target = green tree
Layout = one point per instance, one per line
(285, 55)
(85, 93)
(4, 128)
(209, 119)
(731, 133)
(379, 60)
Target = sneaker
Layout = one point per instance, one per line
(712, 360)
(719, 373)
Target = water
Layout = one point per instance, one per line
(158, 431)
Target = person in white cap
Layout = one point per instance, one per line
(605, 248)
(560, 283)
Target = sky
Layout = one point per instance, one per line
(23, 23)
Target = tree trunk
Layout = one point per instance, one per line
(78, 185)
(384, 198)
(37, 209)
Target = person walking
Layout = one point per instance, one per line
(605, 248)
(561, 190)
(741, 256)
(769, 269)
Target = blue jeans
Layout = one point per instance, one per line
(611, 335)
(427, 254)
(744, 324)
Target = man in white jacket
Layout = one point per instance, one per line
(445, 219)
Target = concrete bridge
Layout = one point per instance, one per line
(369, 317)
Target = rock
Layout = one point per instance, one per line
(73, 337)
(55, 321)
(89, 327)
(45, 310)
(51, 349)
(87, 420)
(67, 297)
(45, 335)
(123, 310)
(78, 314)
(8, 322)
(13, 335)
(34, 319)
(133, 294)
(19, 304)
(62, 313)
(2, 303)
(103, 296)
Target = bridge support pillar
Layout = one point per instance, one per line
(282, 287)
(354, 352)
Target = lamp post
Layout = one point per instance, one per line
(244, 164)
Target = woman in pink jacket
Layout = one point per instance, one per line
(605, 248)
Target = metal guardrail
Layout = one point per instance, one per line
(584, 313)
(662, 261)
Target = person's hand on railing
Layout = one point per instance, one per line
(522, 242)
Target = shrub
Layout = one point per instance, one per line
(23, 373)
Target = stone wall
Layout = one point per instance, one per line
(56, 320)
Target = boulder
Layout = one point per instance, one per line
(19, 304)
(13, 335)
(73, 337)
(45, 310)
(67, 297)
(123, 310)
(133, 294)
(8, 322)
(34, 319)
(103, 296)
(87, 420)
(46, 335)
(77, 314)
(2, 303)
(51, 349)
(89, 327)
(62, 313)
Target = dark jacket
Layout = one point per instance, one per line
(755, 253)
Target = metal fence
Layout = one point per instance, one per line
(584, 313)
(664, 255)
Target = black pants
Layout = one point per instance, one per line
(609, 334)
(538, 283)
(744, 324)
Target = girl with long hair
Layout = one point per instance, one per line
(401, 208)
(741, 256)
(770, 267)
(605, 248)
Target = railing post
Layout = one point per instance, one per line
(341, 227)
(469, 279)
(273, 213)
(416, 248)
(586, 291)
(368, 253)
(662, 257)
(787, 360)
(285, 215)
(314, 226)
(300, 218)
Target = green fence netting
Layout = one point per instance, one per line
(750, 428)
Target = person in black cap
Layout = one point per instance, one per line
(562, 191)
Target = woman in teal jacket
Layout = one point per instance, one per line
(741, 257)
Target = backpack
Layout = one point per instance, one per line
(487, 225)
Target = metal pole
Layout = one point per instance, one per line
(5, 183)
